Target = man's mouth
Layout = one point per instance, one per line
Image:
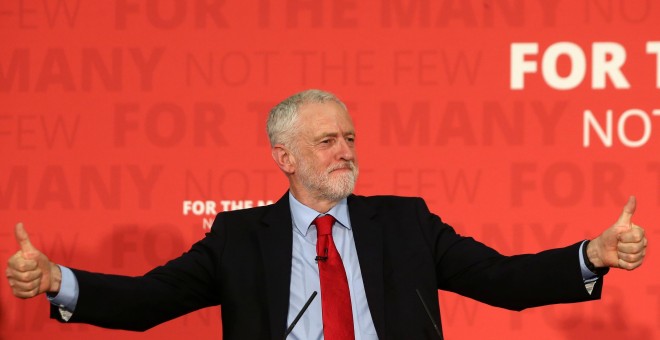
(343, 167)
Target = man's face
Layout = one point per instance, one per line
(326, 163)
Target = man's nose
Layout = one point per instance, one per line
(346, 150)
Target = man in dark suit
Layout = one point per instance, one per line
(261, 264)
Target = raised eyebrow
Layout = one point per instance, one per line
(326, 135)
(334, 135)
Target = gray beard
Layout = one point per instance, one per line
(322, 186)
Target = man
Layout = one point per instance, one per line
(262, 264)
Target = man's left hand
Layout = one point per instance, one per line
(623, 245)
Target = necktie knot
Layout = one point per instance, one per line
(324, 224)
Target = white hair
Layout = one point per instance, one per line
(283, 117)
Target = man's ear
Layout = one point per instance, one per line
(283, 158)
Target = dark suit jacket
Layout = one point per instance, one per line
(244, 264)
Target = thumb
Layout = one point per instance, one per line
(23, 239)
(628, 211)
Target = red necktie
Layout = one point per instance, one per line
(335, 296)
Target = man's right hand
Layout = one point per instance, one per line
(29, 271)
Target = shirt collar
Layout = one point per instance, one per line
(303, 216)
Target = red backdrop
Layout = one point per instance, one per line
(525, 124)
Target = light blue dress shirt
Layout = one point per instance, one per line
(305, 273)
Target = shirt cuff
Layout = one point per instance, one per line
(587, 275)
(67, 297)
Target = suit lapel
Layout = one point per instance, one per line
(368, 235)
(275, 239)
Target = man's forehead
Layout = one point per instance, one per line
(321, 119)
(314, 112)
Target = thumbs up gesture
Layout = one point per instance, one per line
(623, 245)
(29, 271)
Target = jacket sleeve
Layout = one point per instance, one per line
(182, 285)
(470, 268)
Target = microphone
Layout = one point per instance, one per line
(322, 258)
(426, 309)
(300, 314)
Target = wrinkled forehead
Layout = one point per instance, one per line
(327, 117)
(328, 110)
